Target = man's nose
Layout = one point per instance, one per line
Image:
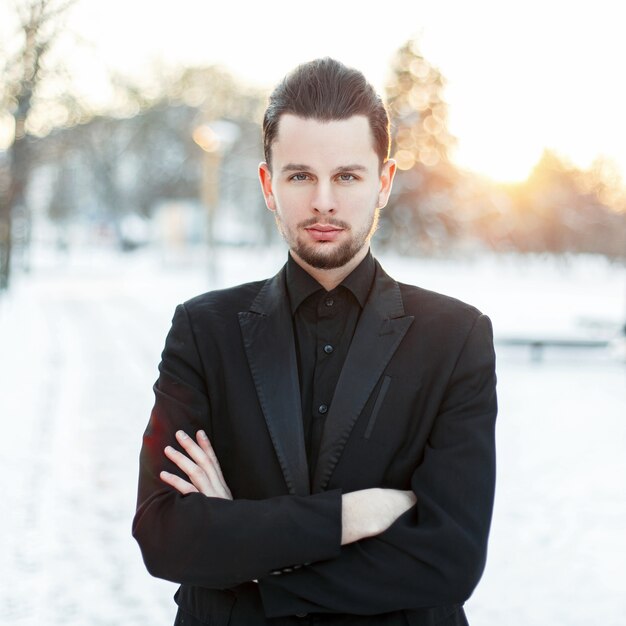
(324, 199)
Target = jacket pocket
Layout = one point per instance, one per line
(203, 607)
(379, 401)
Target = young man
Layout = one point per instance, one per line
(321, 448)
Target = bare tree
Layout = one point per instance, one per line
(39, 23)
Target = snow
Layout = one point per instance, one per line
(80, 339)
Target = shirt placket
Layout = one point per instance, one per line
(330, 309)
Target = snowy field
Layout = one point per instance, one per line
(80, 339)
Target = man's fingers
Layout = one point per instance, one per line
(178, 483)
(201, 465)
(192, 449)
(205, 444)
(196, 474)
(206, 461)
(207, 448)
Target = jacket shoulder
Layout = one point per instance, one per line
(442, 320)
(224, 301)
(419, 300)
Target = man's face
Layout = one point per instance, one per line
(325, 187)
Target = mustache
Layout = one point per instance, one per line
(329, 221)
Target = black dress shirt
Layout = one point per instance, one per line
(324, 323)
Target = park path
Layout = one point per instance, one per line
(79, 356)
(79, 346)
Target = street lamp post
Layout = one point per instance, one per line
(215, 138)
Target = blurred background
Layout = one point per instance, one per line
(129, 143)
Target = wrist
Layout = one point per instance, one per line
(359, 518)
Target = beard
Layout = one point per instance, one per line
(327, 255)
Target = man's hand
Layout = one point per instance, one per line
(201, 466)
(369, 512)
(365, 513)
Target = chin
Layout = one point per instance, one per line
(327, 256)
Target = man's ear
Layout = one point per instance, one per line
(265, 177)
(386, 182)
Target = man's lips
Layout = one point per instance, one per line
(325, 228)
(323, 232)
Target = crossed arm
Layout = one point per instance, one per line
(427, 555)
(364, 513)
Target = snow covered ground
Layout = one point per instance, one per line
(80, 339)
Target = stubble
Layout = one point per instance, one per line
(327, 255)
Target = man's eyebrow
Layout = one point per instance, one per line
(355, 167)
(295, 167)
(300, 167)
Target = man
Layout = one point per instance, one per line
(321, 448)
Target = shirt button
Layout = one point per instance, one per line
(301, 614)
(323, 408)
(329, 302)
(328, 349)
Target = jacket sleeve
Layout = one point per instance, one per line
(435, 553)
(212, 542)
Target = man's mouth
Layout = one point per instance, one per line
(323, 232)
(325, 228)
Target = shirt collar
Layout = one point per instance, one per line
(300, 284)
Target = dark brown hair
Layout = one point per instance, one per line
(326, 90)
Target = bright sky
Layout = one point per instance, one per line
(521, 75)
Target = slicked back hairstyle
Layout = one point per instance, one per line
(326, 90)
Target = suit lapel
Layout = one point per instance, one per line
(270, 348)
(380, 330)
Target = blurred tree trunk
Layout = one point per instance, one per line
(5, 239)
(19, 169)
(38, 27)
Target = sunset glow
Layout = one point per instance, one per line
(520, 77)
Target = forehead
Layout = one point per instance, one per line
(334, 142)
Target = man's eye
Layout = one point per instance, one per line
(299, 177)
(346, 178)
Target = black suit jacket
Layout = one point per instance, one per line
(414, 408)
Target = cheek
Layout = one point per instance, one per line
(291, 198)
(357, 200)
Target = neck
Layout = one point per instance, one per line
(330, 278)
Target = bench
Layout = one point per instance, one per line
(538, 345)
